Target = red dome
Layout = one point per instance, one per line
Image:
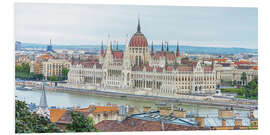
(138, 40)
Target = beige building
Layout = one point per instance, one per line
(233, 72)
(53, 67)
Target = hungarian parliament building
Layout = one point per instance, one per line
(137, 68)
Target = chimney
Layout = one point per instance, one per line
(146, 109)
(200, 121)
(227, 113)
(180, 113)
(238, 122)
(223, 123)
(251, 114)
(165, 111)
(162, 126)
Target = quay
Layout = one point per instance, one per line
(153, 98)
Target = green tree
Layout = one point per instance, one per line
(234, 83)
(244, 78)
(65, 73)
(26, 122)
(251, 90)
(80, 123)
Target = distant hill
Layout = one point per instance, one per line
(183, 48)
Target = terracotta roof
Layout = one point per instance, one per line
(220, 60)
(55, 114)
(255, 67)
(244, 63)
(134, 124)
(97, 109)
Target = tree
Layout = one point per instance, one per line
(244, 78)
(65, 73)
(26, 122)
(234, 83)
(251, 90)
(80, 123)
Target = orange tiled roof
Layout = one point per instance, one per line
(99, 109)
(55, 114)
(220, 60)
(255, 67)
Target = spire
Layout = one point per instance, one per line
(162, 46)
(102, 49)
(116, 45)
(152, 49)
(167, 46)
(139, 26)
(177, 50)
(50, 41)
(43, 99)
(109, 47)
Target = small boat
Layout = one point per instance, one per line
(23, 88)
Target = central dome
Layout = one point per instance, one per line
(138, 39)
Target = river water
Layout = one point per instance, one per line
(63, 99)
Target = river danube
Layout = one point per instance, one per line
(63, 99)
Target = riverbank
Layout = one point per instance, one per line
(150, 98)
(186, 99)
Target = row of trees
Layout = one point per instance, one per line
(26, 122)
(23, 72)
(250, 89)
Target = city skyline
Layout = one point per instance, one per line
(197, 26)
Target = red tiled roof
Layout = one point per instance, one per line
(220, 60)
(134, 124)
(148, 68)
(244, 63)
(138, 40)
(98, 109)
(159, 69)
(55, 114)
(207, 69)
(169, 55)
(255, 67)
(185, 68)
(117, 54)
(169, 68)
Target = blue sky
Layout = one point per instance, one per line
(89, 24)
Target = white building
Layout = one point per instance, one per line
(138, 68)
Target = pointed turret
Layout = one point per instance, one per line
(43, 107)
(102, 49)
(43, 99)
(177, 51)
(167, 46)
(109, 50)
(116, 45)
(162, 46)
(139, 26)
(152, 49)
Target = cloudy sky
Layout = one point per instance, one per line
(68, 24)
